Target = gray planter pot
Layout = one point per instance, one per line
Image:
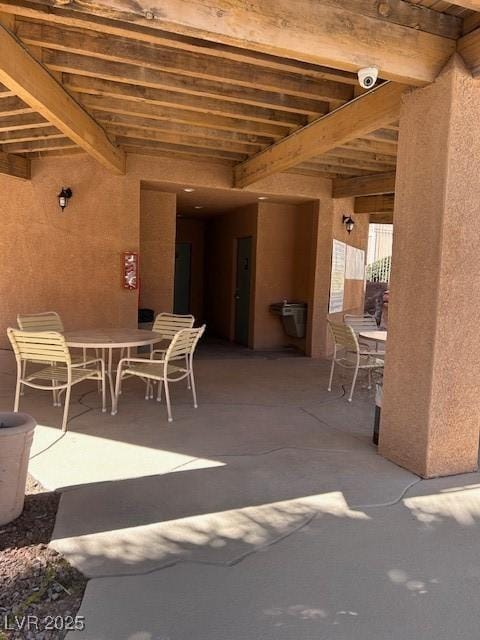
(16, 435)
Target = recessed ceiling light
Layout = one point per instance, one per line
(262, 198)
(189, 189)
(198, 206)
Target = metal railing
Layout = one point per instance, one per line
(379, 271)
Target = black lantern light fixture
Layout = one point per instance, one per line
(64, 196)
(349, 223)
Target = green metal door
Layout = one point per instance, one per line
(181, 295)
(242, 291)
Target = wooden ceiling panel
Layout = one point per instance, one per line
(171, 87)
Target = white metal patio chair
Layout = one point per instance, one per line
(182, 348)
(49, 347)
(46, 321)
(348, 354)
(360, 323)
(167, 325)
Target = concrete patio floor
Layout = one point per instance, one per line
(264, 514)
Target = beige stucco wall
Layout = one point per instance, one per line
(192, 231)
(221, 237)
(328, 225)
(157, 250)
(282, 265)
(431, 406)
(68, 262)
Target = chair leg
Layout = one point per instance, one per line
(369, 379)
(24, 371)
(188, 377)
(18, 388)
(159, 391)
(331, 374)
(104, 390)
(147, 390)
(167, 397)
(353, 384)
(66, 408)
(194, 390)
(117, 392)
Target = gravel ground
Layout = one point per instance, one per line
(34, 579)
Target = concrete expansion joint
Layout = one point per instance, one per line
(226, 564)
(239, 559)
(391, 503)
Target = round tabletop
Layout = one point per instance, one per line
(111, 338)
(378, 336)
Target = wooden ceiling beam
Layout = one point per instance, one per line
(31, 82)
(368, 112)
(190, 87)
(39, 145)
(363, 156)
(13, 106)
(14, 166)
(469, 48)
(364, 186)
(21, 122)
(46, 131)
(473, 5)
(99, 86)
(374, 204)
(161, 114)
(384, 135)
(310, 31)
(166, 148)
(372, 146)
(191, 65)
(333, 167)
(149, 124)
(381, 218)
(180, 139)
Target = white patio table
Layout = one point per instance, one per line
(376, 336)
(110, 339)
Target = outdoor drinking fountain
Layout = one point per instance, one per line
(16, 435)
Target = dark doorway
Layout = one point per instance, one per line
(242, 290)
(183, 268)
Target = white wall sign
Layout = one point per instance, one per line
(355, 264)
(337, 279)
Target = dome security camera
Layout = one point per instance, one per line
(367, 77)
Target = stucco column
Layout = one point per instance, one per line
(431, 408)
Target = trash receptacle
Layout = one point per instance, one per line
(145, 319)
(378, 411)
(293, 316)
(16, 435)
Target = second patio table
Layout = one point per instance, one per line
(376, 336)
(110, 339)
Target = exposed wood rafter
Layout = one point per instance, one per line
(373, 110)
(469, 48)
(374, 204)
(326, 33)
(31, 82)
(364, 185)
(14, 166)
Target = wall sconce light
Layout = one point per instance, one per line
(64, 196)
(349, 223)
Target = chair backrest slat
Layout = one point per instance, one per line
(344, 336)
(46, 321)
(184, 343)
(168, 324)
(42, 346)
(359, 323)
